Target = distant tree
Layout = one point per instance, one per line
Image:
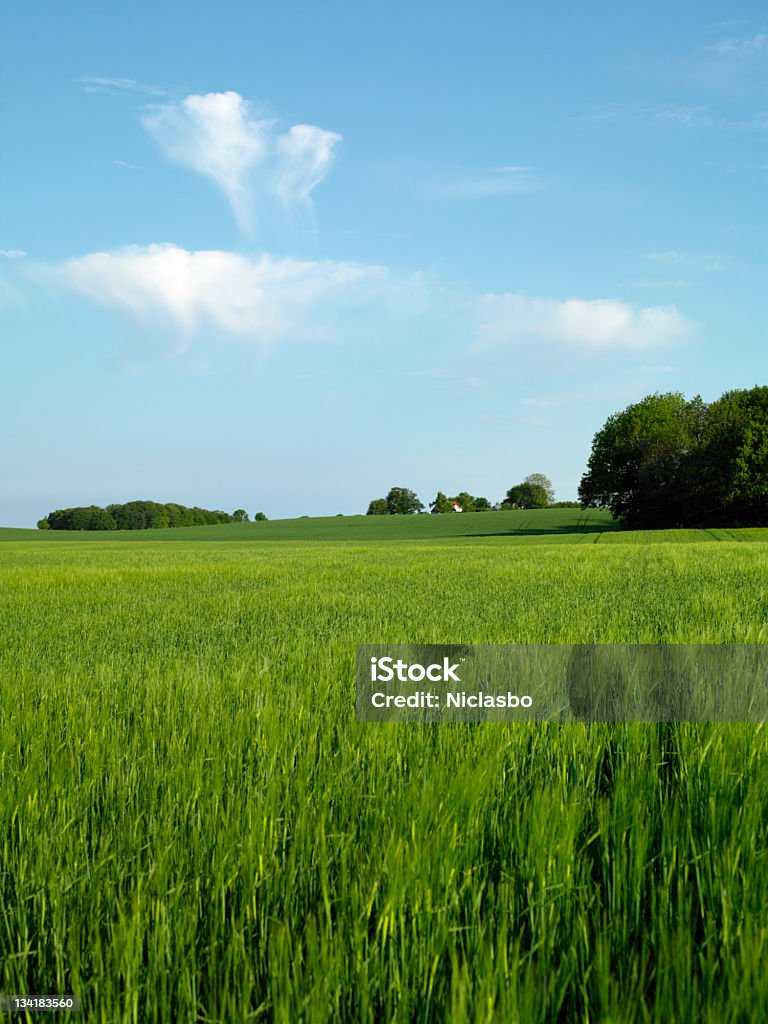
(240, 516)
(440, 505)
(482, 505)
(259, 518)
(466, 501)
(133, 515)
(566, 504)
(378, 507)
(402, 502)
(539, 480)
(43, 524)
(526, 495)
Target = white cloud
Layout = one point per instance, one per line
(265, 298)
(306, 154)
(219, 136)
(599, 325)
(12, 254)
(214, 135)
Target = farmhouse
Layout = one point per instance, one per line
(456, 506)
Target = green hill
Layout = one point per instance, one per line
(536, 526)
(543, 523)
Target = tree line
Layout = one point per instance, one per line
(533, 492)
(140, 515)
(668, 461)
(664, 462)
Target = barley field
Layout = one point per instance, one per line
(195, 828)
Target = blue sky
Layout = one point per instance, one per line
(286, 255)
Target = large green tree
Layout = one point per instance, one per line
(539, 480)
(731, 471)
(402, 502)
(527, 495)
(668, 462)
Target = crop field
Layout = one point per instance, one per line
(195, 828)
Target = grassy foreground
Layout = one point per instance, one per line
(195, 827)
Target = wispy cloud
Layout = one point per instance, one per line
(487, 182)
(451, 380)
(680, 116)
(540, 403)
(712, 262)
(745, 46)
(119, 86)
(305, 154)
(12, 254)
(598, 325)
(679, 282)
(265, 299)
(220, 136)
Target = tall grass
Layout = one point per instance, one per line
(195, 827)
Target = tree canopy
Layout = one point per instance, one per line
(539, 480)
(667, 461)
(443, 504)
(402, 502)
(89, 517)
(136, 515)
(526, 495)
(440, 505)
(378, 507)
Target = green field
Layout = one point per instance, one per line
(533, 526)
(534, 523)
(195, 828)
